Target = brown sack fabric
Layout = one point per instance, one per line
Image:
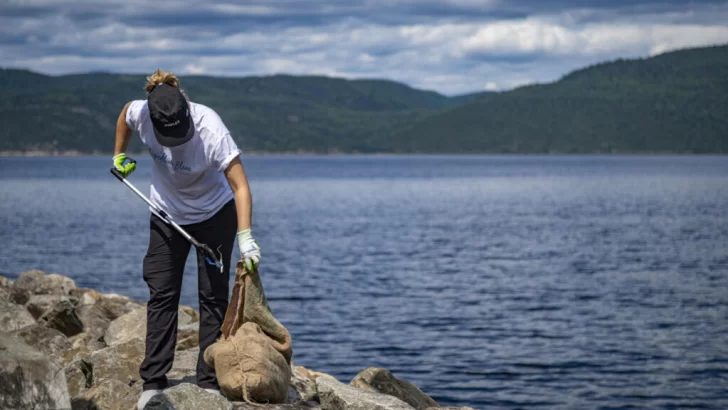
(252, 358)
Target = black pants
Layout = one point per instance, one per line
(163, 267)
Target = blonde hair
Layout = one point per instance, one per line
(161, 77)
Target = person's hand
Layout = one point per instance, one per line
(249, 250)
(119, 164)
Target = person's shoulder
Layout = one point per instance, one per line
(136, 109)
(207, 119)
(202, 111)
(137, 106)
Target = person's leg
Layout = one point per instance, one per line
(217, 232)
(163, 268)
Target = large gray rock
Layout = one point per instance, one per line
(94, 319)
(37, 305)
(187, 396)
(120, 362)
(79, 378)
(19, 296)
(82, 345)
(133, 325)
(62, 316)
(188, 336)
(311, 374)
(115, 306)
(302, 385)
(28, 379)
(97, 310)
(86, 296)
(192, 313)
(5, 282)
(39, 283)
(184, 368)
(450, 408)
(303, 405)
(108, 395)
(47, 340)
(338, 396)
(14, 317)
(383, 381)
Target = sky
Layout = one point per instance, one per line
(450, 46)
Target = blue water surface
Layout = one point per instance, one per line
(567, 282)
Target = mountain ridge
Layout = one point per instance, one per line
(673, 102)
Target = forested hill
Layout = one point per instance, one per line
(675, 102)
(277, 113)
(672, 103)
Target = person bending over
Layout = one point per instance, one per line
(199, 181)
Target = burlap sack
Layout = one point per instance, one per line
(252, 358)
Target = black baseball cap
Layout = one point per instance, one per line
(170, 115)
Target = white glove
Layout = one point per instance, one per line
(249, 250)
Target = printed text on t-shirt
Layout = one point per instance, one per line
(178, 165)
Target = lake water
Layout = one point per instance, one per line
(569, 282)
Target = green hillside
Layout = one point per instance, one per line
(278, 113)
(675, 102)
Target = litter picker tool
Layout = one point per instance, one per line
(210, 256)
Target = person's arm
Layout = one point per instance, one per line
(235, 175)
(123, 132)
(249, 249)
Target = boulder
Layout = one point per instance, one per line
(303, 405)
(5, 282)
(28, 379)
(383, 381)
(312, 375)
(82, 345)
(19, 296)
(184, 369)
(108, 395)
(14, 317)
(188, 336)
(115, 306)
(304, 386)
(120, 362)
(47, 340)
(86, 296)
(37, 305)
(133, 325)
(450, 408)
(79, 378)
(192, 313)
(62, 316)
(97, 311)
(39, 283)
(338, 396)
(187, 396)
(94, 319)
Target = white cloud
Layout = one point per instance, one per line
(448, 54)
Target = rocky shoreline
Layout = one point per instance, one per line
(64, 347)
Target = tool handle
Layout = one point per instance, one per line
(115, 172)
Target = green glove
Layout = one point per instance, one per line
(124, 169)
(249, 250)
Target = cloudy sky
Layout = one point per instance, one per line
(451, 46)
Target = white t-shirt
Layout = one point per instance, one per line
(188, 180)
